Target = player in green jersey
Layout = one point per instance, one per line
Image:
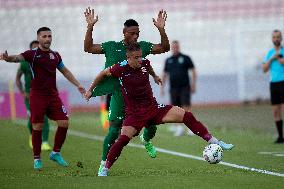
(24, 69)
(116, 52)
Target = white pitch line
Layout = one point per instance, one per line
(162, 150)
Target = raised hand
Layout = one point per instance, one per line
(90, 16)
(4, 56)
(161, 20)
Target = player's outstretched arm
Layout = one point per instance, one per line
(156, 78)
(164, 46)
(11, 58)
(96, 81)
(70, 77)
(91, 20)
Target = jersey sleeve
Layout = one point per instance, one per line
(267, 57)
(106, 46)
(60, 63)
(146, 63)
(116, 70)
(146, 48)
(28, 55)
(189, 63)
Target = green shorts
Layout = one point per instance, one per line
(116, 109)
(111, 85)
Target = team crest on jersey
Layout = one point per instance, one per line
(51, 56)
(180, 60)
(144, 69)
(161, 105)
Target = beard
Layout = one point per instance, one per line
(277, 43)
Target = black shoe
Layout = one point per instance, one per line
(279, 140)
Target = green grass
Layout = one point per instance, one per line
(250, 128)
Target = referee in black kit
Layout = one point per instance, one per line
(177, 68)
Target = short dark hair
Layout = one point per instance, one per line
(276, 30)
(130, 22)
(133, 47)
(175, 41)
(33, 42)
(43, 29)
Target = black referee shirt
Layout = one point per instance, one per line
(177, 67)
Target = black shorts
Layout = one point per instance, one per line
(277, 92)
(180, 96)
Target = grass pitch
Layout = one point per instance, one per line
(250, 128)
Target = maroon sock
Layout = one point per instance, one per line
(59, 138)
(195, 126)
(36, 140)
(116, 149)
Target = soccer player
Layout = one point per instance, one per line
(44, 98)
(177, 68)
(141, 106)
(116, 52)
(24, 69)
(274, 62)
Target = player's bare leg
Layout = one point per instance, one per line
(178, 128)
(179, 115)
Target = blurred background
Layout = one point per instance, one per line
(226, 39)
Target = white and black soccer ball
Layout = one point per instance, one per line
(213, 153)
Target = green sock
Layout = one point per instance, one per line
(45, 130)
(112, 135)
(149, 132)
(29, 126)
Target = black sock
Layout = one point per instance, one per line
(279, 126)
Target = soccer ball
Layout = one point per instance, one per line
(213, 153)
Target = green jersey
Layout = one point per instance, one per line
(115, 52)
(25, 69)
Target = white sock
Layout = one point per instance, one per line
(53, 152)
(103, 162)
(213, 140)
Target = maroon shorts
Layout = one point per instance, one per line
(51, 106)
(150, 116)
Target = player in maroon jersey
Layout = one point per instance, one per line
(44, 98)
(141, 106)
